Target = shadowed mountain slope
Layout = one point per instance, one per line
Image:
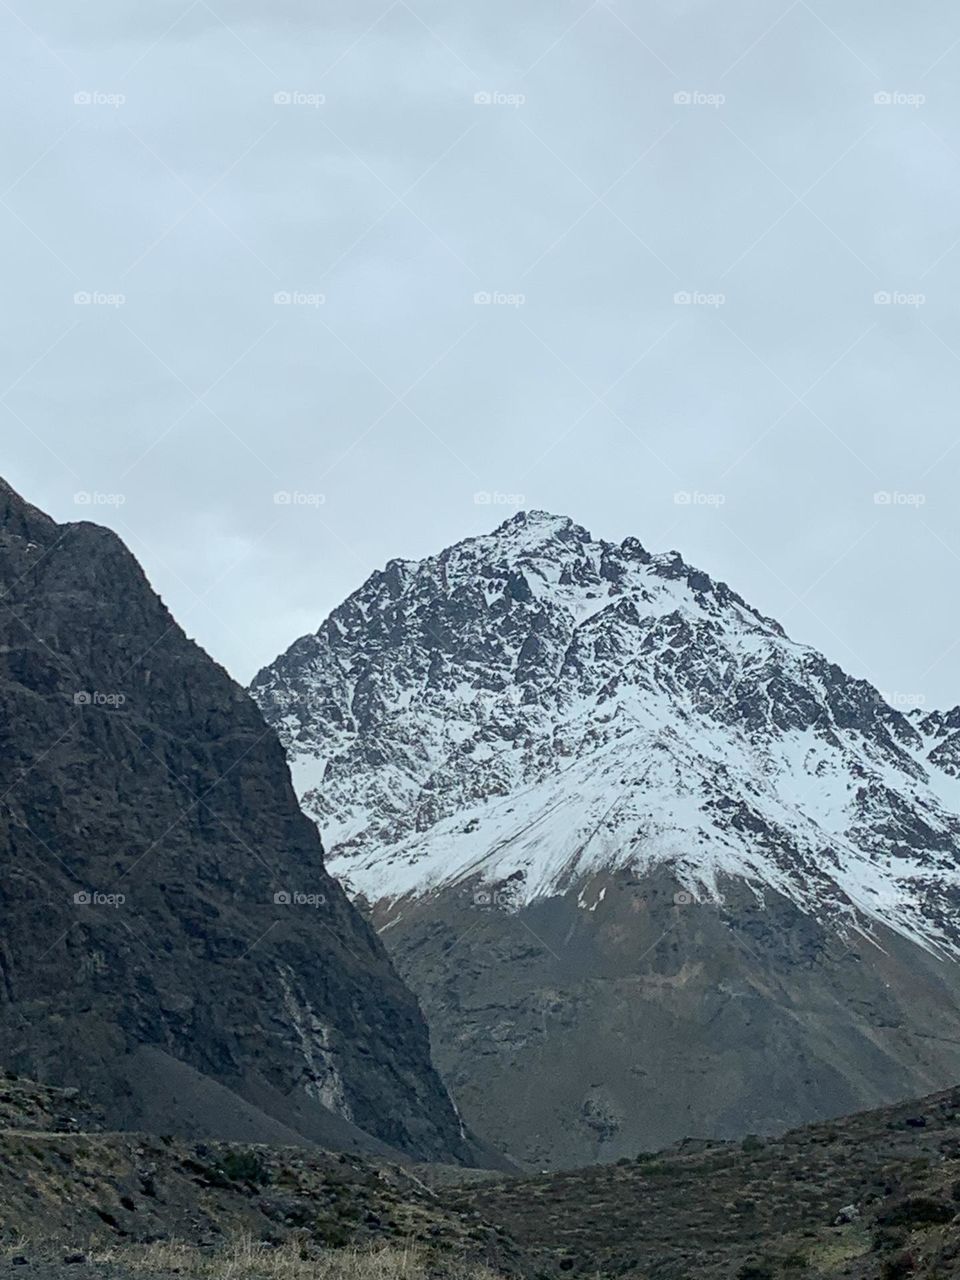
(169, 937)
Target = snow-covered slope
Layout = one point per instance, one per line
(536, 706)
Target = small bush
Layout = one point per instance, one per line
(333, 1234)
(889, 1238)
(795, 1262)
(896, 1268)
(918, 1211)
(756, 1270)
(244, 1166)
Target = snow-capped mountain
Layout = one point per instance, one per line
(541, 705)
(570, 775)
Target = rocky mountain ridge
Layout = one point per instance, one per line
(540, 705)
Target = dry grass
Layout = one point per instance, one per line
(246, 1259)
(852, 1243)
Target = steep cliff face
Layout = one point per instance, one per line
(169, 937)
(653, 867)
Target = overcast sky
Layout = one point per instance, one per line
(382, 164)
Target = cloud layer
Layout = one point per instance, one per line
(287, 290)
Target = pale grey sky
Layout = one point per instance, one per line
(583, 163)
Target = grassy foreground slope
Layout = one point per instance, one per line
(873, 1196)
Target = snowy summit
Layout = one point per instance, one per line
(536, 705)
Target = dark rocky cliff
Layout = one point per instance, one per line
(169, 937)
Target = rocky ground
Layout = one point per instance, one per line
(27, 1105)
(118, 1204)
(93, 1190)
(875, 1196)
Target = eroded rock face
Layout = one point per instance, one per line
(522, 750)
(582, 1033)
(161, 888)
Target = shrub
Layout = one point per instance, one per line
(918, 1211)
(898, 1267)
(756, 1270)
(244, 1166)
(795, 1262)
(889, 1238)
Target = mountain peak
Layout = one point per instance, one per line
(517, 661)
(537, 528)
(537, 519)
(536, 747)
